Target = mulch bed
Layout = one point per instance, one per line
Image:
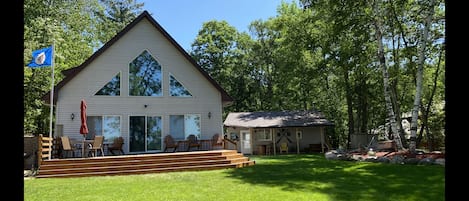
(405, 154)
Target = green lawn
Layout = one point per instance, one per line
(284, 177)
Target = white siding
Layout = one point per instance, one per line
(144, 36)
(311, 135)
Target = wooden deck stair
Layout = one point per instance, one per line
(143, 163)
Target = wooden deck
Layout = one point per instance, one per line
(142, 164)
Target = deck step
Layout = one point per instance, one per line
(143, 163)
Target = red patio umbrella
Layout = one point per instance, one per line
(83, 127)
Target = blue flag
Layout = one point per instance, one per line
(41, 58)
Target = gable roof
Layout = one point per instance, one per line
(71, 73)
(276, 119)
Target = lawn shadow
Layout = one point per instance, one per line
(345, 180)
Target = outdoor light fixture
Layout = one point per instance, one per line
(209, 115)
(72, 116)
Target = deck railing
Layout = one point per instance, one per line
(227, 142)
(44, 149)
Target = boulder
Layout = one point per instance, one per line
(440, 161)
(331, 155)
(397, 159)
(411, 161)
(383, 160)
(427, 161)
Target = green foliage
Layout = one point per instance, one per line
(114, 15)
(74, 29)
(281, 177)
(321, 55)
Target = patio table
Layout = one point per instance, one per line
(84, 143)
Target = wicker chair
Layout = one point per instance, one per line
(67, 146)
(97, 145)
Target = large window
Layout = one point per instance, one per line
(176, 88)
(108, 126)
(112, 88)
(145, 133)
(145, 76)
(182, 126)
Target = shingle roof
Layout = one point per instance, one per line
(70, 73)
(276, 119)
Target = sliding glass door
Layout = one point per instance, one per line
(145, 133)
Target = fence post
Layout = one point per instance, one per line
(39, 151)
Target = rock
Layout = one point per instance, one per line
(357, 157)
(383, 160)
(344, 157)
(331, 155)
(427, 161)
(412, 161)
(397, 159)
(440, 161)
(371, 159)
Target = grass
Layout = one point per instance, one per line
(283, 177)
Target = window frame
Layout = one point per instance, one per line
(120, 86)
(263, 135)
(161, 94)
(170, 87)
(102, 117)
(199, 135)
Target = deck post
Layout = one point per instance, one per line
(322, 139)
(275, 144)
(297, 141)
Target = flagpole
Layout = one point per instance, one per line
(51, 103)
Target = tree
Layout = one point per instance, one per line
(428, 8)
(221, 51)
(68, 25)
(382, 61)
(72, 27)
(114, 15)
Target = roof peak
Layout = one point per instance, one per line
(72, 72)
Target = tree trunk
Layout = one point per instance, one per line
(397, 113)
(387, 94)
(350, 124)
(394, 83)
(418, 90)
(429, 104)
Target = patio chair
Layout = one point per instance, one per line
(169, 143)
(192, 142)
(217, 141)
(283, 147)
(67, 146)
(116, 146)
(97, 145)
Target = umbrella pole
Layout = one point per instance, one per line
(83, 147)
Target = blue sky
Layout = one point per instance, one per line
(182, 19)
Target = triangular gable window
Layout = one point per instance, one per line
(145, 76)
(112, 88)
(176, 88)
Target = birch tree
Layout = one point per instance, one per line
(382, 62)
(428, 13)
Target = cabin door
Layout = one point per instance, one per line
(245, 142)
